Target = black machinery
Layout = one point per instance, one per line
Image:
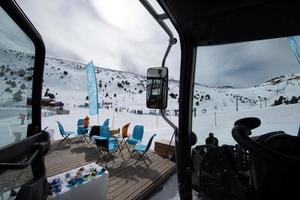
(262, 167)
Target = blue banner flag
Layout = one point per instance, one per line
(92, 89)
(294, 46)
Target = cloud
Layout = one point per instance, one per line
(122, 35)
(112, 33)
(245, 64)
(12, 37)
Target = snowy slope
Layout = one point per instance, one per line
(71, 88)
(67, 81)
(264, 95)
(16, 70)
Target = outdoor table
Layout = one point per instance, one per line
(92, 186)
(114, 131)
(119, 140)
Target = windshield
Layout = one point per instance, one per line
(252, 79)
(16, 71)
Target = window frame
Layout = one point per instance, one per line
(16, 14)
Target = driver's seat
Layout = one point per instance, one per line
(277, 178)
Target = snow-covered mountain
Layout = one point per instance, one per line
(16, 70)
(276, 91)
(66, 80)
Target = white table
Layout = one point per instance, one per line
(94, 188)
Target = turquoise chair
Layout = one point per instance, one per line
(106, 143)
(64, 134)
(137, 136)
(142, 149)
(82, 131)
(106, 123)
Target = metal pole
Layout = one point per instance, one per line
(168, 120)
(171, 42)
(215, 119)
(113, 122)
(265, 102)
(260, 100)
(171, 124)
(160, 20)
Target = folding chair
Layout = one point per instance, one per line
(64, 134)
(82, 131)
(106, 123)
(137, 136)
(95, 130)
(106, 143)
(142, 149)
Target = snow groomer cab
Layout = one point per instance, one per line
(239, 87)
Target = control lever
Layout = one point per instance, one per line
(20, 165)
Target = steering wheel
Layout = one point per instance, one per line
(241, 132)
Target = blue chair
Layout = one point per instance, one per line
(106, 143)
(137, 136)
(142, 149)
(64, 134)
(106, 123)
(82, 131)
(95, 130)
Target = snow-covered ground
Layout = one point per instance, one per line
(285, 118)
(152, 123)
(169, 190)
(280, 118)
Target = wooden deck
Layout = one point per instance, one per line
(126, 180)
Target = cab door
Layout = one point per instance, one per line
(23, 144)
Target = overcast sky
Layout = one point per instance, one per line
(121, 35)
(12, 37)
(245, 64)
(117, 34)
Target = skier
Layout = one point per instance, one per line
(61, 105)
(22, 117)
